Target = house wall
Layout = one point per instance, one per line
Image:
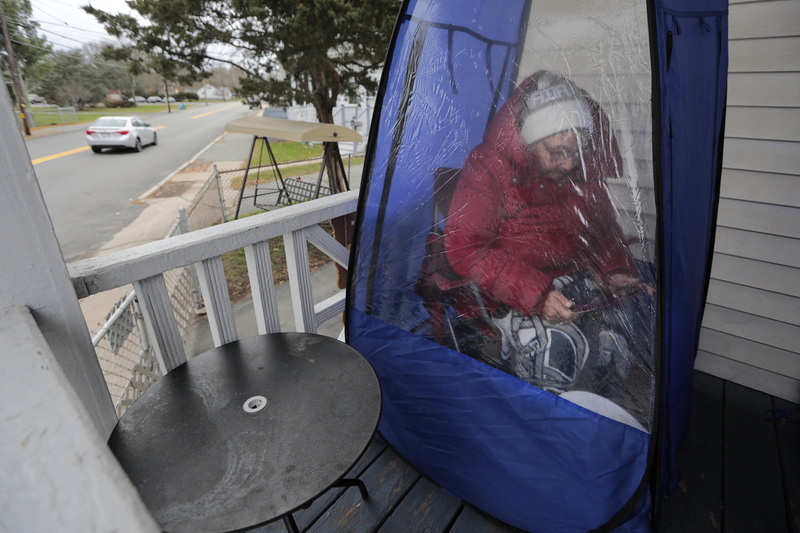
(751, 328)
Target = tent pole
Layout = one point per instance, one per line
(412, 64)
(244, 180)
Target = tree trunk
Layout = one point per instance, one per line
(342, 226)
(166, 93)
(336, 176)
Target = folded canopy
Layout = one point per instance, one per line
(292, 130)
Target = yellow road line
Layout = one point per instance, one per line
(215, 111)
(159, 128)
(62, 154)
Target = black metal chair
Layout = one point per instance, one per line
(440, 287)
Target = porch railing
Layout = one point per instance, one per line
(144, 266)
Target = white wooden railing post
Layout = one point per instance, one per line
(160, 320)
(334, 305)
(300, 281)
(211, 275)
(262, 286)
(183, 228)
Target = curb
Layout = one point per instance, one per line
(161, 183)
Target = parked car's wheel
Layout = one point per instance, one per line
(138, 146)
(155, 139)
(96, 149)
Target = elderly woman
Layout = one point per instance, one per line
(532, 225)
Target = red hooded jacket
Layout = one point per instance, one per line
(513, 232)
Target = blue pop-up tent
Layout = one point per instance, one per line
(547, 421)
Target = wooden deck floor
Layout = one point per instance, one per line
(741, 473)
(740, 463)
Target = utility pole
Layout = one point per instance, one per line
(12, 63)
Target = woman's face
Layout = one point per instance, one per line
(557, 156)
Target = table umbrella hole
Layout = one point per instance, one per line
(254, 404)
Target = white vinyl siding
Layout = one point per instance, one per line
(751, 328)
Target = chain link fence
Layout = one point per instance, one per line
(126, 356)
(128, 363)
(51, 116)
(122, 346)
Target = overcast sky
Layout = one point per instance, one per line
(67, 26)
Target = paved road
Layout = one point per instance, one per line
(92, 196)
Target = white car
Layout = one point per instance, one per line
(155, 100)
(120, 132)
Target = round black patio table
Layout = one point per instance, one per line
(248, 432)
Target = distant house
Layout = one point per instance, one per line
(211, 92)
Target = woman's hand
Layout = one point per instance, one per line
(557, 308)
(622, 283)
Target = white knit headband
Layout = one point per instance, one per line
(555, 109)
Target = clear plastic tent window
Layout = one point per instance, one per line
(521, 204)
(505, 282)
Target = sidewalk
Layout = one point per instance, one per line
(178, 190)
(163, 201)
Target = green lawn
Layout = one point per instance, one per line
(235, 264)
(284, 151)
(288, 151)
